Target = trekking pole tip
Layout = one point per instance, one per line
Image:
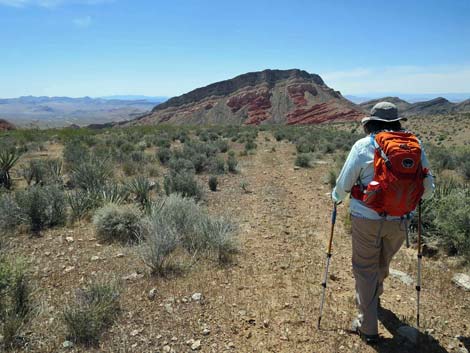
(318, 323)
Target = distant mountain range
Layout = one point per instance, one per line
(410, 97)
(436, 106)
(64, 111)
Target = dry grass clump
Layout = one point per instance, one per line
(95, 309)
(179, 223)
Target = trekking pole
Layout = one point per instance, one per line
(418, 284)
(328, 258)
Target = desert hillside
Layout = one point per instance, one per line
(292, 97)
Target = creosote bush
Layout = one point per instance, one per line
(184, 184)
(95, 309)
(117, 223)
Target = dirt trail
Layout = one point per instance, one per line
(287, 222)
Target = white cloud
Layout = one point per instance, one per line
(50, 3)
(82, 22)
(409, 79)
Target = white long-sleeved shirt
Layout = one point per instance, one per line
(359, 168)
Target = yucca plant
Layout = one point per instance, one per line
(113, 193)
(8, 158)
(141, 187)
(54, 168)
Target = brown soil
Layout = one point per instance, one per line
(267, 300)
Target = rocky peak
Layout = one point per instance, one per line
(227, 87)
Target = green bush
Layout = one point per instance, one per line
(303, 160)
(232, 163)
(42, 207)
(184, 184)
(181, 165)
(11, 214)
(453, 222)
(95, 309)
(164, 155)
(75, 152)
(117, 223)
(213, 182)
(217, 165)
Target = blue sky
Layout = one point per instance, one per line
(165, 48)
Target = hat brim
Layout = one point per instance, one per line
(369, 118)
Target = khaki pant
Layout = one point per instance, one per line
(373, 245)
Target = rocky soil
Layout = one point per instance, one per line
(268, 299)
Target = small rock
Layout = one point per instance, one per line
(174, 338)
(231, 345)
(152, 294)
(296, 167)
(206, 331)
(69, 239)
(169, 308)
(120, 255)
(242, 312)
(94, 258)
(402, 276)
(69, 269)
(166, 349)
(132, 276)
(266, 323)
(67, 344)
(408, 332)
(196, 297)
(462, 280)
(190, 341)
(196, 345)
(136, 332)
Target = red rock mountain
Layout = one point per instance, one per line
(269, 96)
(5, 125)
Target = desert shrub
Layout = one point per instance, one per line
(250, 145)
(95, 309)
(164, 155)
(160, 241)
(217, 165)
(91, 174)
(465, 170)
(184, 184)
(218, 234)
(304, 146)
(303, 160)
(140, 188)
(131, 168)
(279, 135)
(213, 182)
(117, 223)
(331, 178)
(453, 222)
(153, 171)
(42, 207)
(15, 300)
(181, 165)
(222, 145)
(11, 214)
(75, 152)
(81, 202)
(8, 158)
(232, 163)
(200, 162)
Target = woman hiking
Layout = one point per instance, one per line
(383, 197)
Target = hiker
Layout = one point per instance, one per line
(377, 235)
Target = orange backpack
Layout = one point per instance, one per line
(397, 186)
